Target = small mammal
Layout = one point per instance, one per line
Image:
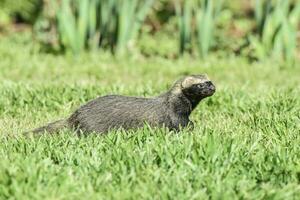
(171, 109)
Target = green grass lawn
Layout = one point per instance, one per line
(246, 142)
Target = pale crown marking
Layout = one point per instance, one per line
(191, 80)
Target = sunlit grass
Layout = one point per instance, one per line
(245, 144)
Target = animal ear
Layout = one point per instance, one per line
(188, 82)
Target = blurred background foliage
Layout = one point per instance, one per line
(25, 11)
(256, 29)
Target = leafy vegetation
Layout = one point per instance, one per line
(89, 23)
(19, 10)
(203, 14)
(278, 25)
(245, 144)
(256, 29)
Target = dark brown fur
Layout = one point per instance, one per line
(171, 109)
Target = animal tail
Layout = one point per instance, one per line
(51, 127)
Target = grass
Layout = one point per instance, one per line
(245, 144)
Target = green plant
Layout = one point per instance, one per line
(100, 23)
(206, 22)
(184, 13)
(197, 21)
(277, 26)
(23, 10)
(73, 29)
(245, 144)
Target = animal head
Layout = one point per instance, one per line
(195, 86)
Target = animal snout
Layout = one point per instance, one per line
(210, 85)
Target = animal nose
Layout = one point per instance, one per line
(210, 85)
